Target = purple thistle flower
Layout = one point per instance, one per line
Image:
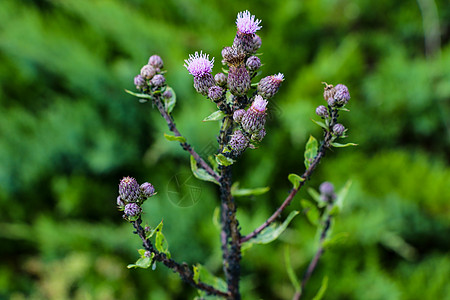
(129, 189)
(199, 65)
(246, 23)
(342, 95)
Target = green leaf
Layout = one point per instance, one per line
(311, 211)
(323, 288)
(316, 196)
(311, 151)
(215, 116)
(140, 95)
(142, 262)
(169, 103)
(161, 244)
(223, 160)
(203, 275)
(338, 238)
(172, 138)
(295, 179)
(153, 231)
(291, 274)
(216, 217)
(339, 203)
(321, 124)
(237, 192)
(338, 145)
(201, 173)
(271, 233)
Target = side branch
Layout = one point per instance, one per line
(183, 270)
(312, 265)
(186, 146)
(289, 198)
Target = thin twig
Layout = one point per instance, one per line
(186, 146)
(305, 176)
(312, 265)
(183, 270)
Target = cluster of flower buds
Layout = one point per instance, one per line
(132, 195)
(243, 64)
(336, 97)
(151, 76)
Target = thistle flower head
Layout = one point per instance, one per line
(342, 95)
(199, 65)
(147, 189)
(129, 189)
(246, 23)
(259, 104)
(268, 86)
(132, 210)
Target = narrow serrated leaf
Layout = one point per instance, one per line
(215, 116)
(295, 179)
(312, 147)
(161, 244)
(321, 124)
(291, 274)
(201, 173)
(249, 192)
(139, 95)
(323, 288)
(203, 275)
(155, 230)
(311, 211)
(169, 103)
(338, 145)
(271, 233)
(223, 160)
(173, 138)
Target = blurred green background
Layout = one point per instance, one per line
(69, 133)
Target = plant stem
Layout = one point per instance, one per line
(230, 234)
(183, 270)
(186, 146)
(312, 265)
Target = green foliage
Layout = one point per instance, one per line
(68, 133)
(312, 147)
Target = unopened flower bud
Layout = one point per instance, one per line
(139, 82)
(259, 136)
(256, 43)
(132, 210)
(238, 114)
(120, 202)
(158, 80)
(200, 67)
(147, 228)
(233, 56)
(327, 191)
(129, 189)
(156, 61)
(253, 63)
(328, 91)
(255, 117)
(238, 141)
(148, 71)
(342, 94)
(215, 93)
(331, 102)
(148, 254)
(238, 80)
(322, 111)
(268, 86)
(167, 94)
(221, 79)
(147, 189)
(338, 129)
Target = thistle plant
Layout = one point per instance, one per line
(242, 104)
